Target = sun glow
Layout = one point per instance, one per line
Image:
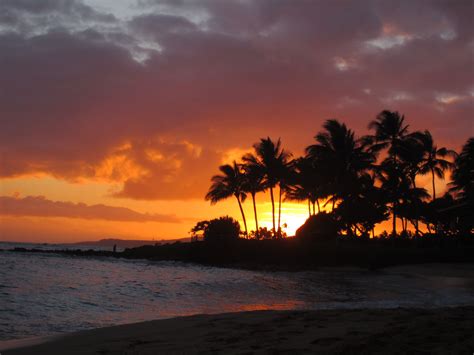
(293, 215)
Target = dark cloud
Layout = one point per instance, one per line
(39, 206)
(93, 98)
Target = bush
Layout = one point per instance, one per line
(219, 229)
(320, 227)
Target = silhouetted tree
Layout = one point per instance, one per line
(390, 132)
(197, 232)
(463, 173)
(221, 229)
(344, 156)
(398, 188)
(254, 183)
(433, 160)
(272, 158)
(309, 182)
(285, 174)
(230, 183)
(364, 208)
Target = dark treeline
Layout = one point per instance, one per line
(352, 183)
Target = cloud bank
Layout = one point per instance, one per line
(39, 206)
(154, 99)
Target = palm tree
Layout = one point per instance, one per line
(254, 183)
(271, 157)
(365, 207)
(463, 173)
(308, 182)
(412, 153)
(390, 132)
(285, 172)
(344, 156)
(433, 161)
(229, 183)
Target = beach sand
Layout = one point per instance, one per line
(434, 331)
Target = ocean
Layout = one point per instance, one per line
(44, 294)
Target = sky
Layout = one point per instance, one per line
(114, 114)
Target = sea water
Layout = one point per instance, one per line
(43, 293)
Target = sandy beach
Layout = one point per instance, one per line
(443, 331)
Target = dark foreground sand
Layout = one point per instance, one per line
(437, 331)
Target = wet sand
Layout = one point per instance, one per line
(395, 331)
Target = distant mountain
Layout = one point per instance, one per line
(128, 243)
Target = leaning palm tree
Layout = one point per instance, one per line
(433, 161)
(229, 183)
(254, 183)
(271, 157)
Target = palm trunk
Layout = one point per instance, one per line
(417, 227)
(333, 203)
(273, 208)
(319, 207)
(394, 160)
(243, 215)
(279, 212)
(314, 209)
(394, 222)
(433, 182)
(255, 215)
(309, 207)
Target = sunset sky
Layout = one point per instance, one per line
(114, 114)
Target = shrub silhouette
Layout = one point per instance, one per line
(221, 229)
(320, 227)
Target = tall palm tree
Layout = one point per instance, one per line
(412, 153)
(229, 183)
(392, 181)
(344, 156)
(433, 160)
(254, 183)
(390, 132)
(270, 156)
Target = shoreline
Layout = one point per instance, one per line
(289, 254)
(251, 266)
(443, 330)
